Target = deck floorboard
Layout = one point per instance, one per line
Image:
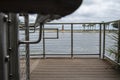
(74, 69)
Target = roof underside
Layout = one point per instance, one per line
(57, 7)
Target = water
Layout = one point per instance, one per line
(77, 26)
(84, 43)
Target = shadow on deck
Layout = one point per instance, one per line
(73, 69)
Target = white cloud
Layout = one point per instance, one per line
(32, 18)
(95, 10)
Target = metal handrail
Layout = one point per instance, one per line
(77, 23)
(113, 21)
(72, 33)
(34, 42)
(52, 37)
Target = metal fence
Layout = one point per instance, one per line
(64, 34)
(57, 40)
(58, 35)
(69, 40)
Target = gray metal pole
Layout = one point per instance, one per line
(14, 47)
(44, 41)
(27, 47)
(100, 40)
(3, 48)
(104, 31)
(71, 40)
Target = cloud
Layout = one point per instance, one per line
(32, 18)
(95, 10)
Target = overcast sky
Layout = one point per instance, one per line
(93, 10)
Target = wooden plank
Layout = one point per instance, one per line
(74, 69)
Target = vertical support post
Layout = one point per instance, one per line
(3, 48)
(104, 31)
(43, 41)
(13, 40)
(14, 47)
(27, 47)
(71, 40)
(118, 60)
(100, 40)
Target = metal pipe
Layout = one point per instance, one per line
(52, 29)
(14, 45)
(104, 31)
(34, 42)
(71, 40)
(74, 23)
(44, 53)
(100, 38)
(43, 42)
(27, 47)
(3, 48)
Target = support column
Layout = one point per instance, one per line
(27, 47)
(72, 41)
(104, 39)
(44, 42)
(3, 48)
(100, 40)
(14, 56)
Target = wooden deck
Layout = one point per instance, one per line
(74, 69)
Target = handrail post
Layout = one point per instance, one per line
(71, 40)
(3, 48)
(100, 40)
(14, 59)
(43, 42)
(104, 34)
(27, 47)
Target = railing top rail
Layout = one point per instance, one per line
(112, 21)
(85, 22)
(78, 23)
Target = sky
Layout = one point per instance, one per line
(92, 11)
